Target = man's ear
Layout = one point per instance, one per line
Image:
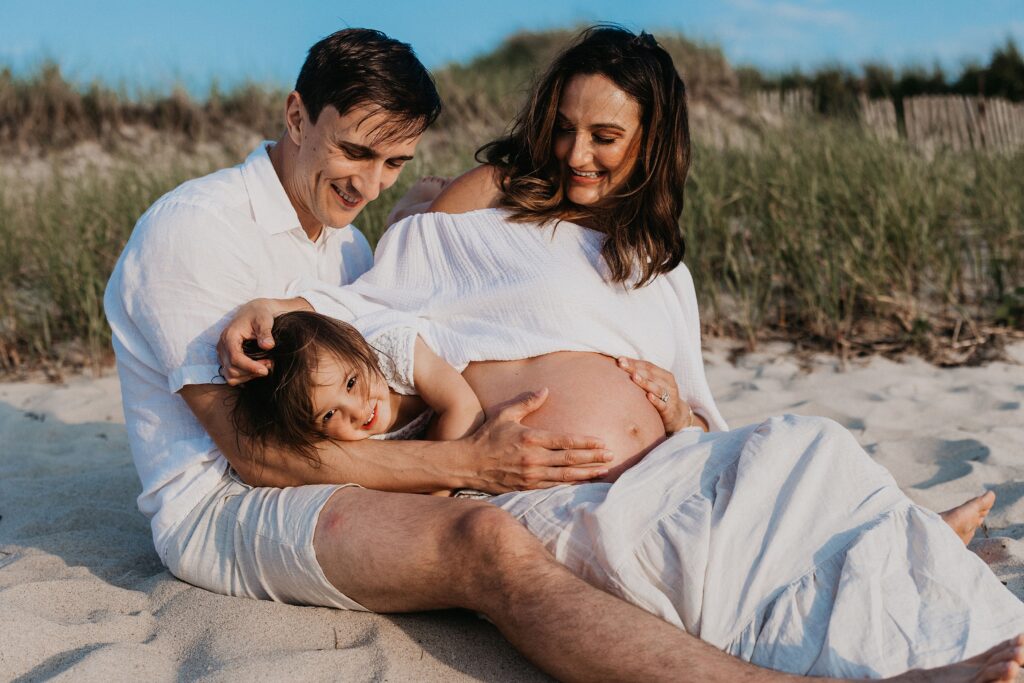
(295, 117)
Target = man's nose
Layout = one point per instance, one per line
(368, 181)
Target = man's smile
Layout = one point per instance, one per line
(348, 200)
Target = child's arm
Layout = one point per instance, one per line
(441, 387)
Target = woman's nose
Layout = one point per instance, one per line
(579, 153)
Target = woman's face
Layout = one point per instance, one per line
(597, 135)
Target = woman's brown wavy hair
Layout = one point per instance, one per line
(641, 219)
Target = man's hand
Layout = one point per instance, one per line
(508, 456)
(254, 320)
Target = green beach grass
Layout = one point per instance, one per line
(825, 235)
(818, 234)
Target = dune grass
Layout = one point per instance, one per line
(815, 233)
(827, 235)
(818, 233)
(59, 240)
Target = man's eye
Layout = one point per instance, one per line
(328, 415)
(351, 383)
(354, 154)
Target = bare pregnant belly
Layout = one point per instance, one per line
(588, 396)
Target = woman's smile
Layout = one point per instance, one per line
(585, 177)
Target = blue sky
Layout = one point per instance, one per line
(154, 45)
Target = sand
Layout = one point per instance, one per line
(83, 594)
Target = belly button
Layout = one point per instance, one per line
(633, 429)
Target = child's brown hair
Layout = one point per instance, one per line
(278, 409)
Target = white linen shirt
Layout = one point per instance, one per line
(197, 254)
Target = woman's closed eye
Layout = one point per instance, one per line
(598, 139)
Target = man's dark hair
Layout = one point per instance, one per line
(362, 67)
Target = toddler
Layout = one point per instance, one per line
(328, 383)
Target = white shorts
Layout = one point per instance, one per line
(256, 543)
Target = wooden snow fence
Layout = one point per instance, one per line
(962, 123)
(879, 116)
(782, 105)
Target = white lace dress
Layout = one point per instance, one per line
(395, 351)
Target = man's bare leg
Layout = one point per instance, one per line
(967, 518)
(396, 552)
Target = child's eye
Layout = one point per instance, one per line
(351, 383)
(328, 415)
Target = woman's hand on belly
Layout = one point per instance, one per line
(508, 456)
(663, 393)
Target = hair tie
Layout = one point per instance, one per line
(645, 39)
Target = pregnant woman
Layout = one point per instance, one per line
(781, 543)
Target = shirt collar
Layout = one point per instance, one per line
(271, 208)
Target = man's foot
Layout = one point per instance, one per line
(418, 197)
(999, 664)
(965, 519)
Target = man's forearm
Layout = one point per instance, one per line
(401, 466)
(409, 466)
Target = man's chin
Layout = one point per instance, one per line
(341, 218)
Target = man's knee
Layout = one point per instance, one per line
(500, 564)
(489, 537)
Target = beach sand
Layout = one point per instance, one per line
(83, 594)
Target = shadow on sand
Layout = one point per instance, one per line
(76, 553)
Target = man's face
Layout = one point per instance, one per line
(343, 162)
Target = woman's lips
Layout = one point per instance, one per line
(585, 180)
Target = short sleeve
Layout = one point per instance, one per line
(396, 351)
(338, 302)
(183, 274)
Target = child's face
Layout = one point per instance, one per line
(349, 404)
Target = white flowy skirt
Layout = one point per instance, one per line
(784, 544)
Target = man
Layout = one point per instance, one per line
(223, 519)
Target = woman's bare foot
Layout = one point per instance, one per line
(966, 518)
(418, 197)
(1000, 664)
